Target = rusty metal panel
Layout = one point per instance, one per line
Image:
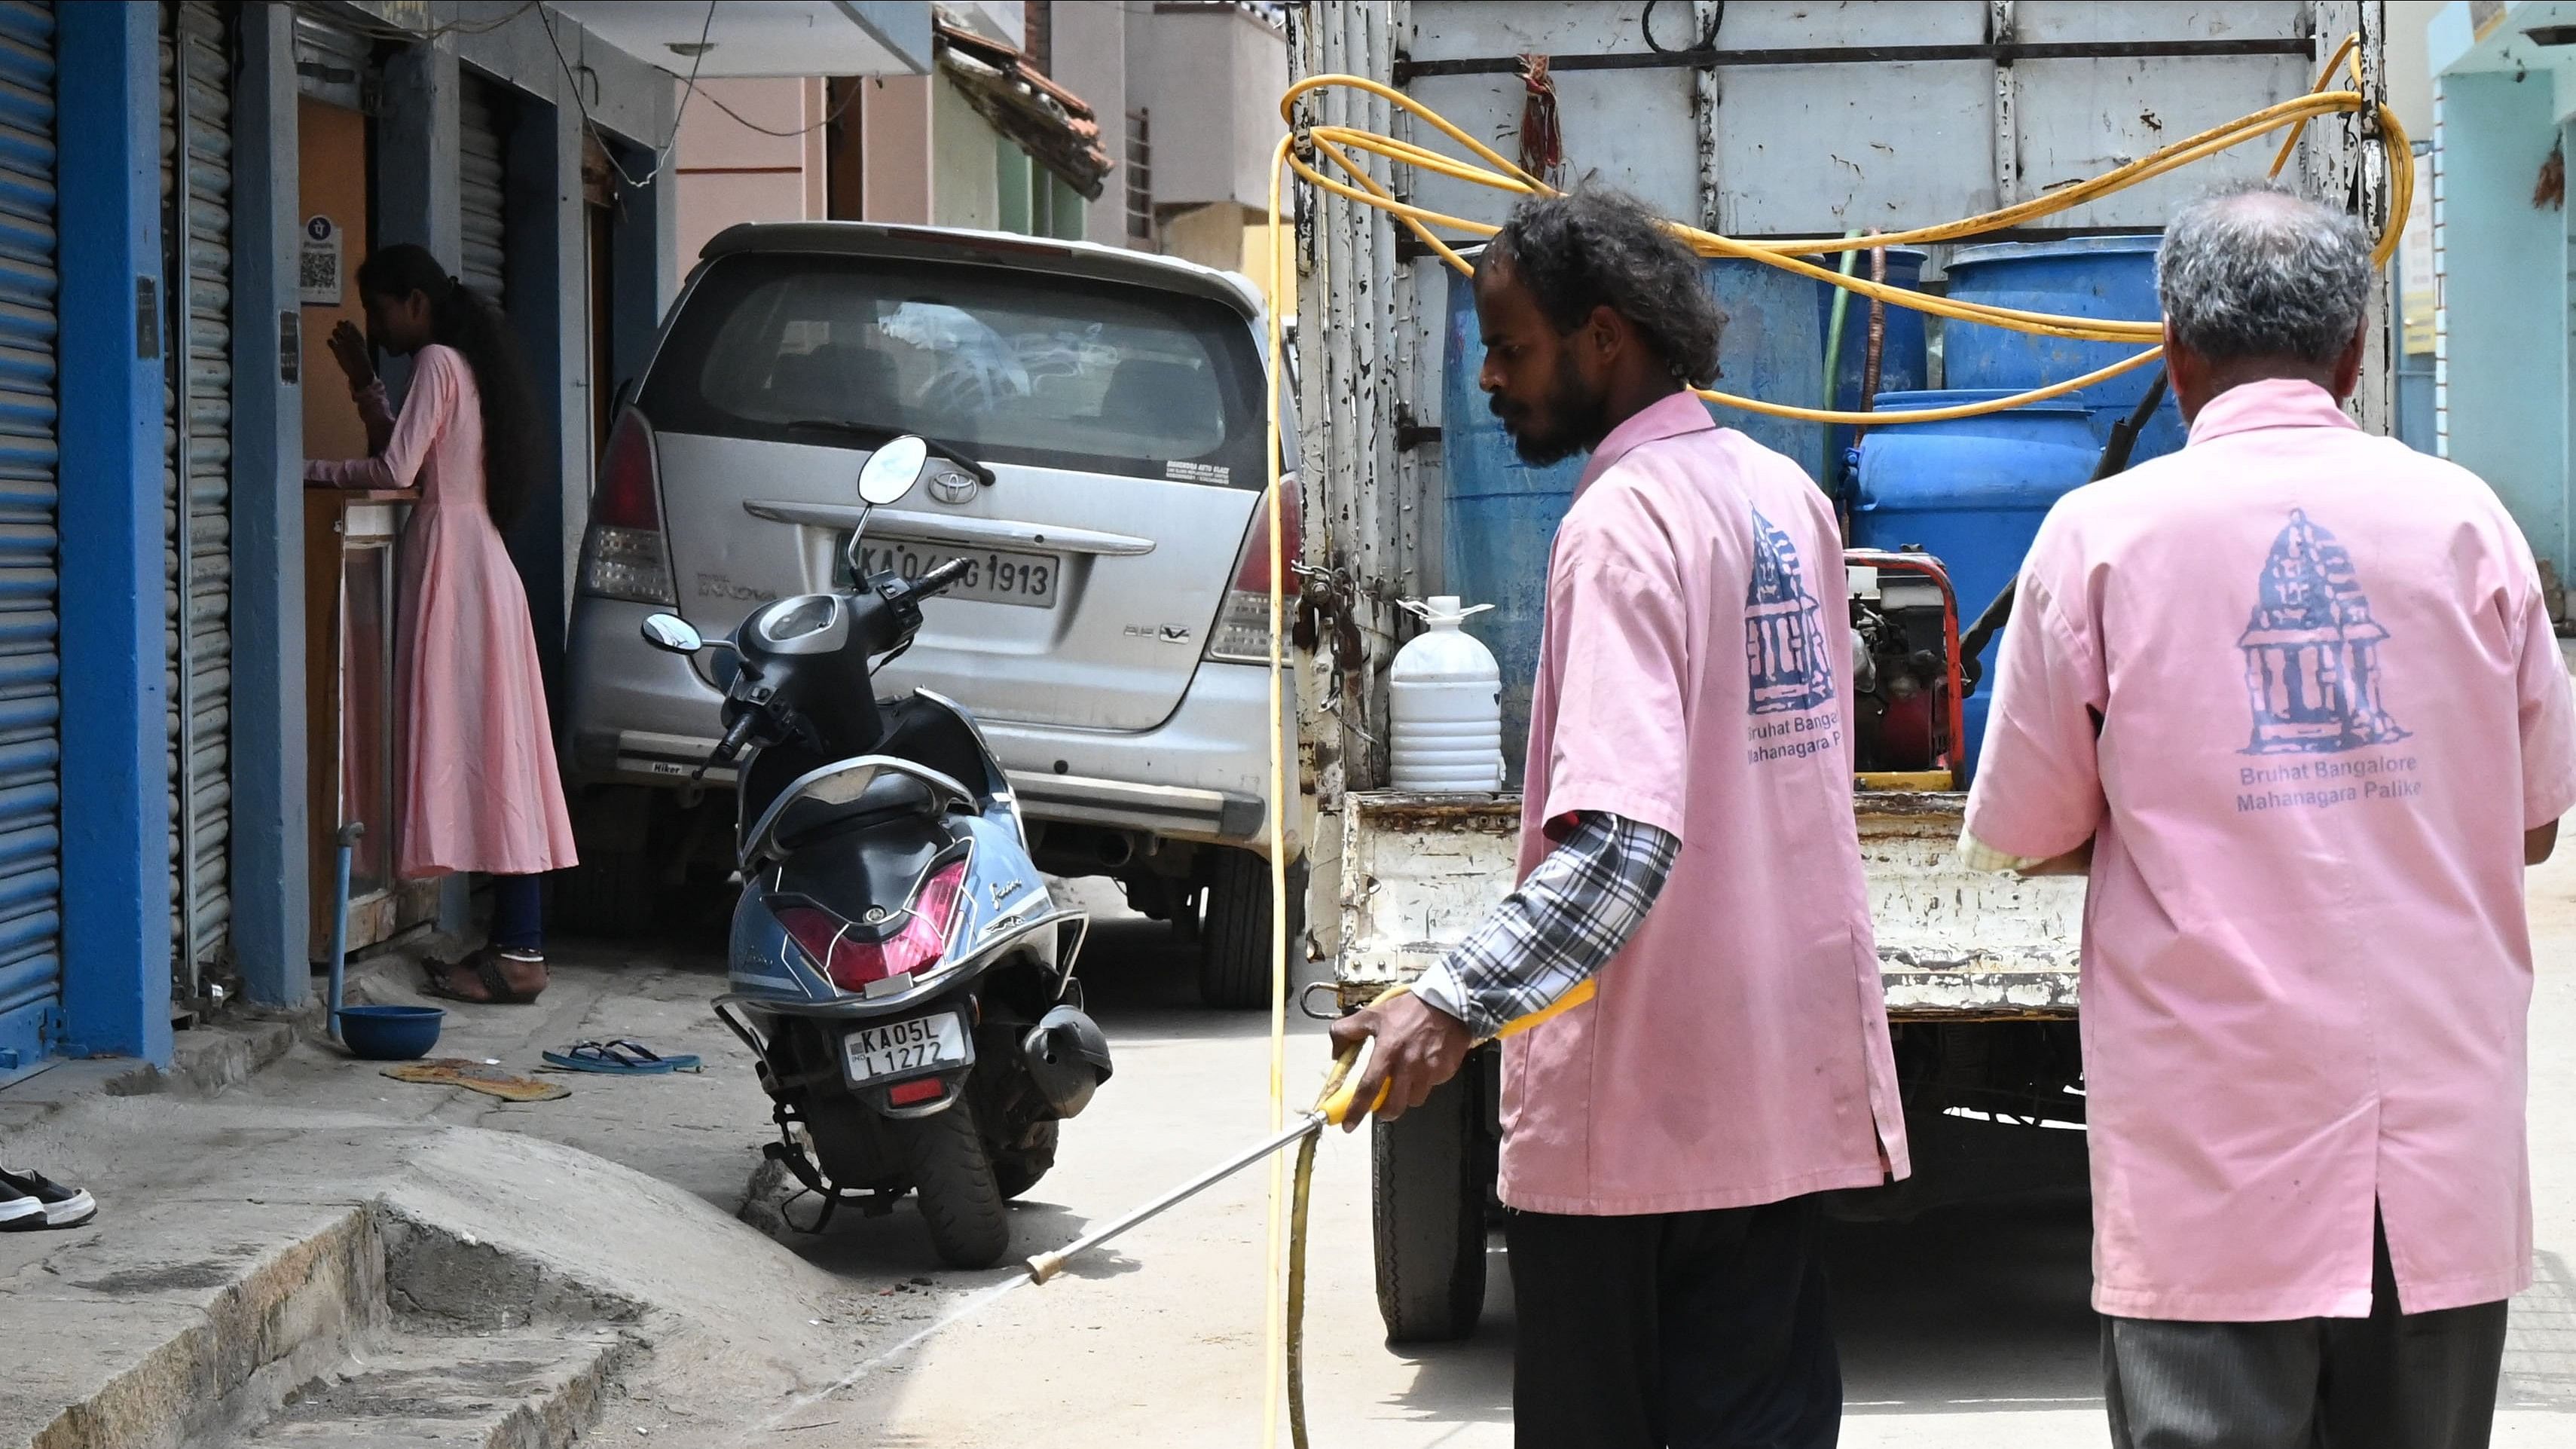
(1956, 943)
(1419, 871)
(1810, 118)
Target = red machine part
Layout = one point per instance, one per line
(1923, 565)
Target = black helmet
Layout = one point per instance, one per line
(1068, 1058)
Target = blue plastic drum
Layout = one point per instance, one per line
(1501, 516)
(1971, 492)
(2108, 277)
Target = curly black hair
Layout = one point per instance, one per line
(1602, 248)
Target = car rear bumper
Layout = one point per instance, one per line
(640, 716)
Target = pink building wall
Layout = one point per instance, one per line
(731, 172)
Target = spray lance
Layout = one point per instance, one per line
(1336, 1105)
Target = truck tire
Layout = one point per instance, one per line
(611, 892)
(960, 1202)
(1234, 941)
(1428, 1178)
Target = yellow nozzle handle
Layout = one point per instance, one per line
(1341, 1086)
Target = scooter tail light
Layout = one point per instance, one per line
(851, 963)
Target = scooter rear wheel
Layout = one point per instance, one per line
(960, 1201)
(1017, 1169)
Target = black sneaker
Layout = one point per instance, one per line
(20, 1212)
(58, 1206)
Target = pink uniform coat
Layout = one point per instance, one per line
(2330, 704)
(479, 789)
(1692, 677)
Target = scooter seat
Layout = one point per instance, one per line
(889, 794)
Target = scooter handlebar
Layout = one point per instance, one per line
(734, 738)
(940, 577)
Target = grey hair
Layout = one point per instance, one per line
(2252, 269)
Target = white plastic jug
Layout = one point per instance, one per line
(1448, 706)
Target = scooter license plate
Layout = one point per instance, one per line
(906, 1048)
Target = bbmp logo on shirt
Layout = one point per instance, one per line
(2312, 651)
(1787, 673)
(2313, 680)
(1784, 645)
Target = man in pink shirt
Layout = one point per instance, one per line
(2293, 696)
(1665, 1144)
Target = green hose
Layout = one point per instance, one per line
(1834, 351)
(1296, 1331)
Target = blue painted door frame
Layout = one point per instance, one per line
(115, 809)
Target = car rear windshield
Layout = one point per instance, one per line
(1012, 366)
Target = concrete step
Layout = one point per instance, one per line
(364, 1326)
(523, 1390)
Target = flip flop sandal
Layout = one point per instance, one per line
(620, 1058)
(487, 969)
(476, 1077)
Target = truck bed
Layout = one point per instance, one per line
(1418, 871)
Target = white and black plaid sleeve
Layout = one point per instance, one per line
(1571, 916)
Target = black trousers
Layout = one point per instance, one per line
(2390, 1381)
(1701, 1330)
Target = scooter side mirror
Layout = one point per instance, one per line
(892, 470)
(672, 633)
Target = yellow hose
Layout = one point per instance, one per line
(1272, 1321)
(1283, 1358)
(1329, 143)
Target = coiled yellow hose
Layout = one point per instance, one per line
(1283, 1318)
(1334, 144)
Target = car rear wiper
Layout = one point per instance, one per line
(881, 433)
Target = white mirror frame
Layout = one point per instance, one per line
(673, 633)
(892, 470)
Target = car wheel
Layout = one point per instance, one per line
(1234, 942)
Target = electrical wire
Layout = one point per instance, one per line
(847, 97)
(357, 22)
(572, 84)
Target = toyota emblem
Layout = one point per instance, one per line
(953, 487)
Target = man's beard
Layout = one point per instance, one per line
(1581, 420)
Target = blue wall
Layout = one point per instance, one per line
(2505, 294)
(116, 814)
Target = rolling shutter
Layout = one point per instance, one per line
(197, 479)
(483, 115)
(30, 751)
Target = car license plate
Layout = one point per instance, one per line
(994, 575)
(906, 1048)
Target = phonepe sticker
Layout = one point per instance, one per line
(317, 263)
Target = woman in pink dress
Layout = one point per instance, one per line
(477, 781)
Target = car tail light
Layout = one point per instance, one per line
(1242, 634)
(852, 963)
(622, 555)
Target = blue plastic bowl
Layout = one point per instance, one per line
(390, 1033)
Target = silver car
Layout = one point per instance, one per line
(1112, 631)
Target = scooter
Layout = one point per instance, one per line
(897, 966)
